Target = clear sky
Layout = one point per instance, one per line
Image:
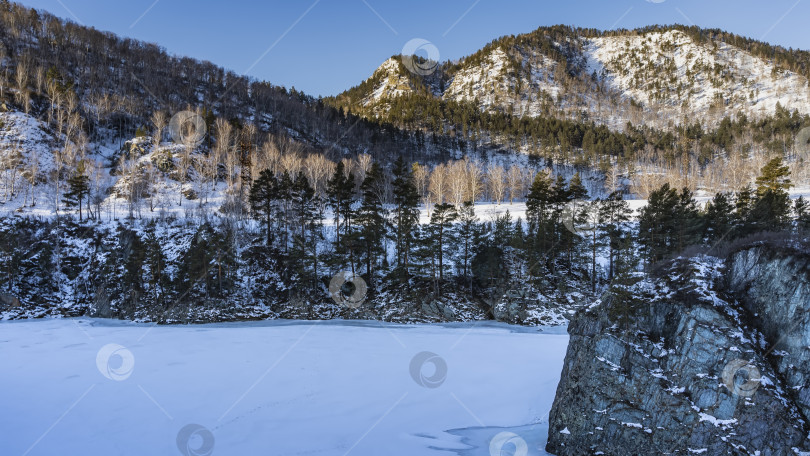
(326, 46)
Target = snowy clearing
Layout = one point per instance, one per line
(280, 388)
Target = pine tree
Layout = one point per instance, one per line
(405, 215)
(263, 194)
(743, 203)
(669, 223)
(771, 208)
(79, 184)
(802, 211)
(573, 198)
(371, 218)
(615, 214)
(440, 235)
(468, 234)
(132, 255)
(719, 217)
(688, 221)
(540, 208)
(657, 223)
(155, 259)
(339, 191)
(285, 197)
(774, 177)
(576, 190)
(307, 232)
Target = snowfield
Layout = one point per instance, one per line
(280, 388)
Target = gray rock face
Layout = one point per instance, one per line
(666, 366)
(774, 287)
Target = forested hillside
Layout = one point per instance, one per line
(101, 88)
(665, 102)
(140, 185)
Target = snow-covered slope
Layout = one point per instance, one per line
(492, 83)
(671, 74)
(392, 83)
(653, 78)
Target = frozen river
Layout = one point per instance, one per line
(98, 387)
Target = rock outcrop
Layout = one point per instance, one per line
(773, 285)
(672, 365)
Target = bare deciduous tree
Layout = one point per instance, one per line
(496, 182)
(159, 122)
(514, 180)
(22, 85)
(474, 180)
(438, 184)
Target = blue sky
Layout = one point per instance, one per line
(326, 46)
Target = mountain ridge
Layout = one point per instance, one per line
(562, 71)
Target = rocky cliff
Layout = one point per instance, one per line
(773, 285)
(674, 364)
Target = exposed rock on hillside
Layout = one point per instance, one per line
(668, 366)
(774, 287)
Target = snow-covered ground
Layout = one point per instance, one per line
(280, 388)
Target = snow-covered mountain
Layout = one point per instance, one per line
(656, 77)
